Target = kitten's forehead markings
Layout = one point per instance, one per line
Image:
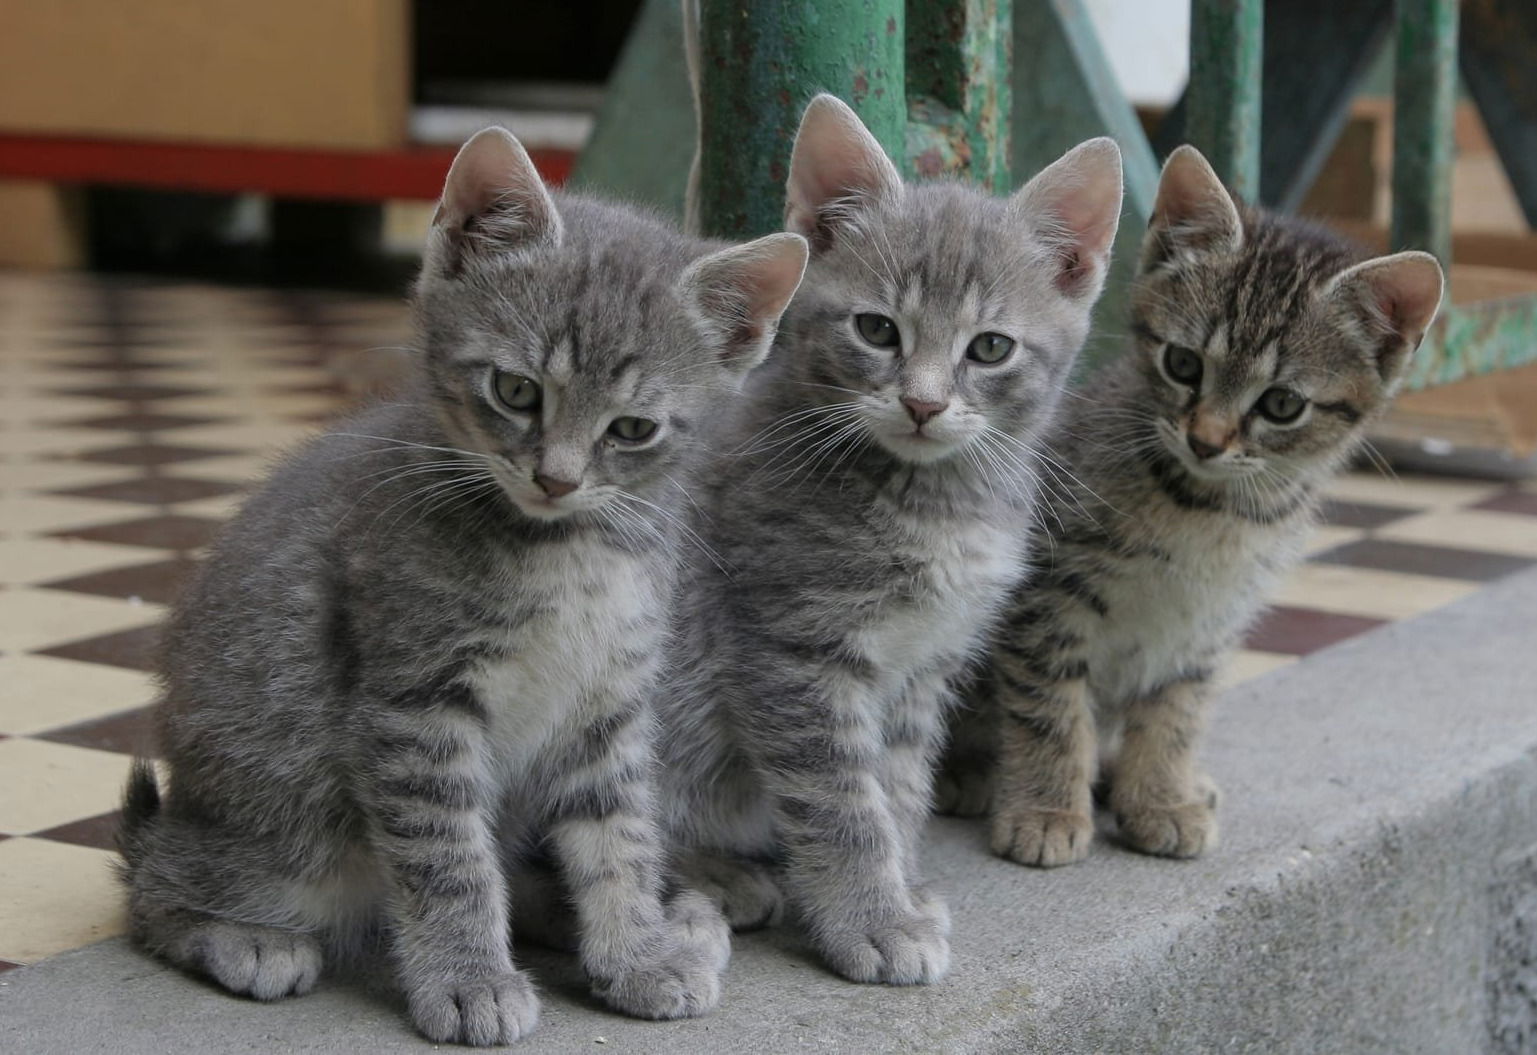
(559, 361)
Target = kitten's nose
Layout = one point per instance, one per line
(922, 412)
(554, 486)
(1202, 449)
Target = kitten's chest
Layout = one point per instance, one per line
(583, 625)
(950, 579)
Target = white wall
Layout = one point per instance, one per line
(1148, 44)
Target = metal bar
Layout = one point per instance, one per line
(958, 89)
(1065, 92)
(1424, 100)
(760, 63)
(643, 140)
(1499, 40)
(1226, 49)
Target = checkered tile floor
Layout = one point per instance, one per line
(132, 418)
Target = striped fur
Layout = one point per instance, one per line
(1154, 559)
(861, 562)
(404, 671)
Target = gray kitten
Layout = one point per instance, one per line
(867, 527)
(1263, 347)
(425, 651)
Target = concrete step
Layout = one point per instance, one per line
(1376, 891)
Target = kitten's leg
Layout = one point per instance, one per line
(1161, 802)
(820, 754)
(913, 732)
(963, 786)
(645, 958)
(745, 890)
(430, 807)
(1043, 803)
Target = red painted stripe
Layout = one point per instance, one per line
(356, 175)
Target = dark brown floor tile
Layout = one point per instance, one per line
(155, 490)
(1419, 559)
(1299, 631)
(140, 421)
(162, 532)
(1511, 502)
(159, 581)
(135, 649)
(1363, 514)
(99, 833)
(151, 454)
(133, 390)
(127, 733)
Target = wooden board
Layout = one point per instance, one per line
(275, 73)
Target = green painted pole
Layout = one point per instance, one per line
(1226, 64)
(761, 62)
(1424, 103)
(959, 92)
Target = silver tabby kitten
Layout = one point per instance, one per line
(426, 649)
(866, 522)
(1262, 349)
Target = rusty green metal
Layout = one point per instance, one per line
(760, 64)
(1226, 66)
(959, 94)
(1472, 339)
(643, 139)
(1424, 102)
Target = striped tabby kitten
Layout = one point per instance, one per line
(426, 649)
(1263, 348)
(866, 527)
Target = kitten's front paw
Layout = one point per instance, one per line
(911, 950)
(262, 962)
(683, 981)
(696, 922)
(1186, 830)
(962, 792)
(1042, 838)
(494, 1009)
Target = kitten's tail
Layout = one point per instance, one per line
(141, 805)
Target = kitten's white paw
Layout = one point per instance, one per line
(494, 1009)
(683, 981)
(262, 962)
(962, 793)
(908, 950)
(1186, 830)
(1042, 838)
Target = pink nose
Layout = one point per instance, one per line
(922, 412)
(1202, 449)
(554, 486)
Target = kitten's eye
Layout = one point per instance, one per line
(1183, 365)
(878, 330)
(989, 348)
(1281, 405)
(517, 392)
(632, 430)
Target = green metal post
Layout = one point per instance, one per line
(1226, 53)
(1424, 102)
(760, 64)
(959, 94)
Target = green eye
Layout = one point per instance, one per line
(632, 430)
(1183, 365)
(878, 330)
(517, 392)
(1281, 405)
(989, 348)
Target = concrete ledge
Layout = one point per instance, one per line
(1376, 891)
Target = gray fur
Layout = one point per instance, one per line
(1154, 561)
(404, 671)
(860, 564)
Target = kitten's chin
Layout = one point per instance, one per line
(918, 448)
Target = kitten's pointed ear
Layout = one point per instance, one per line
(494, 200)
(835, 159)
(1075, 204)
(741, 292)
(1193, 210)
(1395, 299)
